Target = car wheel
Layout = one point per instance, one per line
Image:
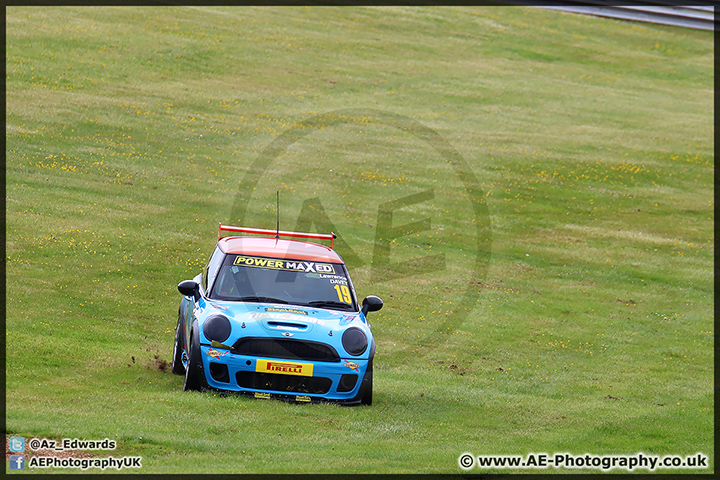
(177, 367)
(194, 377)
(367, 386)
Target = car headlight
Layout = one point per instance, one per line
(217, 328)
(354, 341)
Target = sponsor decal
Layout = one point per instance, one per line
(291, 266)
(315, 320)
(335, 280)
(262, 395)
(284, 368)
(275, 316)
(200, 306)
(286, 310)
(302, 398)
(215, 353)
(352, 366)
(283, 316)
(346, 320)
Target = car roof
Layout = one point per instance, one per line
(279, 248)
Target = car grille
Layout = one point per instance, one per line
(285, 348)
(283, 383)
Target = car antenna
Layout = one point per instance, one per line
(277, 212)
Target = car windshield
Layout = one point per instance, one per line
(280, 280)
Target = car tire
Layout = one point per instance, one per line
(177, 367)
(194, 376)
(367, 387)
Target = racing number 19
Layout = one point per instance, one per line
(343, 293)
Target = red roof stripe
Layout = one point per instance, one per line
(279, 248)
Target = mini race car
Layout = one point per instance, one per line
(275, 318)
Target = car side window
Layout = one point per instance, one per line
(211, 269)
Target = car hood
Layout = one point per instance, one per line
(284, 318)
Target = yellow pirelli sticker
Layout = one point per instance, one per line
(284, 368)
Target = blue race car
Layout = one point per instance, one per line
(275, 318)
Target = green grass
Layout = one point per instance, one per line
(580, 322)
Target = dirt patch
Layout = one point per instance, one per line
(159, 363)
(329, 422)
(453, 368)
(495, 285)
(626, 302)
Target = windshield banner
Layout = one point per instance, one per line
(276, 264)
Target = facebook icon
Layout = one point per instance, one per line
(17, 462)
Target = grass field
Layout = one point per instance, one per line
(555, 296)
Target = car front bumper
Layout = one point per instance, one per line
(290, 380)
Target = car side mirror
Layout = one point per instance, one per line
(189, 288)
(371, 303)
